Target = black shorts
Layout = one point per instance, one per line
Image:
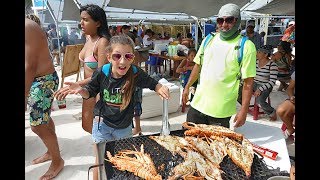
(197, 117)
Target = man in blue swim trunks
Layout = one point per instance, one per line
(41, 80)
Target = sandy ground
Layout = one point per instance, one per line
(77, 147)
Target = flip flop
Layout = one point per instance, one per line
(287, 135)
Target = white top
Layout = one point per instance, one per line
(145, 41)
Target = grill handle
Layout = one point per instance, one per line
(101, 152)
(165, 130)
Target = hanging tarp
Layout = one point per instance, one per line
(197, 8)
(276, 7)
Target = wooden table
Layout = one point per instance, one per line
(176, 61)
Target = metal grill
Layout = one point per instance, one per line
(164, 161)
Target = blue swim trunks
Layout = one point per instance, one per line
(41, 98)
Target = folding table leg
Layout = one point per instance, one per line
(101, 152)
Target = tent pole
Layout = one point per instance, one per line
(77, 3)
(103, 4)
(56, 22)
(51, 11)
(59, 47)
(196, 32)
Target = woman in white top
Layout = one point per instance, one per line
(147, 38)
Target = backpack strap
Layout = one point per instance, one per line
(207, 39)
(241, 47)
(106, 69)
(135, 69)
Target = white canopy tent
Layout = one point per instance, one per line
(274, 7)
(198, 8)
(162, 11)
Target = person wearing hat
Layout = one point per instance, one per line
(217, 69)
(264, 81)
(255, 37)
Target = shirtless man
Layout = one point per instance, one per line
(41, 80)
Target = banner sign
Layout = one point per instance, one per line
(39, 4)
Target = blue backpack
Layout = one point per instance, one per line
(106, 69)
(240, 46)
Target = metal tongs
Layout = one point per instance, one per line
(165, 130)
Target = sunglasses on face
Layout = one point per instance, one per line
(127, 56)
(227, 20)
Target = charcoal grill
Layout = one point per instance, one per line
(164, 161)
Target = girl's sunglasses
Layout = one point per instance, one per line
(228, 20)
(127, 56)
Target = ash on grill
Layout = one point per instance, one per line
(164, 161)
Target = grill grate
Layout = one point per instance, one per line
(164, 161)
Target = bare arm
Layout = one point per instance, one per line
(163, 91)
(77, 89)
(102, 55)
(181, 67)
(240, 118)
(290, 90)
(246, 94)
(276, 56)
(193, 77)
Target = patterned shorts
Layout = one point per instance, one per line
(41, 98)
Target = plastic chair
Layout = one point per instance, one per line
(155, 64)
(254, 109)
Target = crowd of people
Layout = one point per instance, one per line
(113, 79)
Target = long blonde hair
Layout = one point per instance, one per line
(127, 89)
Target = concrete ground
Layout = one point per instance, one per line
(77, 147)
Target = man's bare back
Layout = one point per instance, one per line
(37, 58)
(37, 51)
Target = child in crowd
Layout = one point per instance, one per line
(185, 68)
(116, 83)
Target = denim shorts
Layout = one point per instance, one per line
(105, 133)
